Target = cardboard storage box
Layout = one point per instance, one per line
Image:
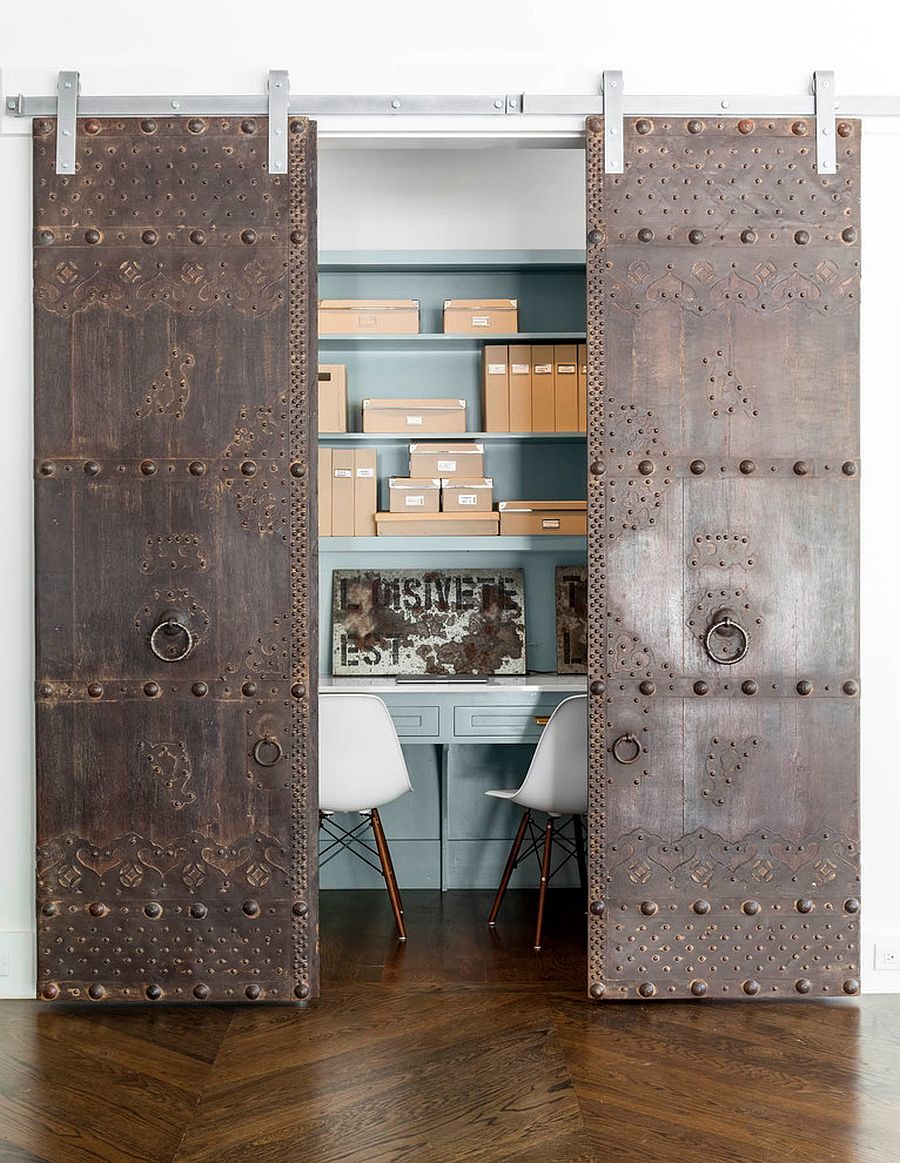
(381, 316)
(332, 397)
(415, 494)
(342, 470)
(467, 494)
(543, 395)
(437, 524)
(520, 388)
(446, 460)
(566, 518)
(565, 387)
(414, 416)
(481, 316)
(582, 387)
(324, 497)
(365, 492)
(495, 395)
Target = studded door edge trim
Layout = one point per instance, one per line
(304, 526)
(596, 554)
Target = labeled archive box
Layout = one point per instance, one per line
(380, 316)
(365, 492)
(543, 396)
(480, 316)
(348, 492)
(582, 387)
(520, 388)
(467, 494)
(332, 397)
(437, 524)
(414, 416)
(564, 518)
(495, 393)
(565, 387)
(446, 460)
(415, 494)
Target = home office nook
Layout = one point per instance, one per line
(513, 494)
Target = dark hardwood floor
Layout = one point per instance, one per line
(462, 1045)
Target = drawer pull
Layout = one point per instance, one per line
(542, 720)
(626, 749)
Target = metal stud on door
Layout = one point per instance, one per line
(723, 281)
(175, 422)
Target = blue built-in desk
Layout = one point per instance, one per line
(447, 833)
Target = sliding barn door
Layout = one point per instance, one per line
(723, 319)
(174, 421)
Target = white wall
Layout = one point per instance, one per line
(472, 46)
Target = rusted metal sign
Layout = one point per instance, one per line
(571, 619)
(409, 621)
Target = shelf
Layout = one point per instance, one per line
(489, 544)
(482, 437)
(449, 260)
(437, 340)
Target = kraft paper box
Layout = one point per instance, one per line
(582, 387)
(520, 388)
(416, 415)
(495, 396)
(380, 316)
(446, 460)
(562, 518)
(467, 494)
(415, 494)
(481, 316)
(565, 387)
(324, 492)
(365, 492)
(543, 395)
(342, 470)
(437, 524)
(332, 397)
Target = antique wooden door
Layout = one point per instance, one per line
(723, 304)
(175, 515)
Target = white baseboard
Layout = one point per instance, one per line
(17, 968)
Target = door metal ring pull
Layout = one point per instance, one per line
(275, 754)
(726, 624)
(171, 626)
(626, 740)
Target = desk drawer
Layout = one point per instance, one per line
(490, 721)
(414, 721)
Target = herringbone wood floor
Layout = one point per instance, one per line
(462, 1046)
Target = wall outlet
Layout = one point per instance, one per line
(887, 957)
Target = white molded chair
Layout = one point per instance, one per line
(555, 783)
(361, 768)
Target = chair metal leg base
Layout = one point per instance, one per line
(545, 877)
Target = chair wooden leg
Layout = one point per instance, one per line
(545, 877)
(387, 867)
(508, 870)
(579, 852)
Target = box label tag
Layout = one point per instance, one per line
(413, 421)
(520, 369)
(467, 499)
(543, 369)
(565, 369)
(343, 472)
(415, 502)
(368, 320)
(446, 466)
(550, 523)
(481, 320)
(365, 472)
(496, 369)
